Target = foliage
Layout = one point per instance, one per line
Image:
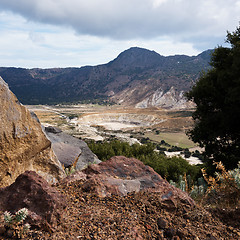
(69, 170)
(145, 140)
(175, 149)
(14, 222)
(198, 155)
(224, 188)
(72, 168)
(217, 99)
(235, 173)
(195, 189)
(199, 189)
(171, 168)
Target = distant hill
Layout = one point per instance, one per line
(136, 77)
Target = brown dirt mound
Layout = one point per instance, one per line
(151, 213)
(135, 216)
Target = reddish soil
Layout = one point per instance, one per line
(135, 216)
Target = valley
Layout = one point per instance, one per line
(87, 121)
(132, 125)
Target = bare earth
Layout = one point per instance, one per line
(94, 121)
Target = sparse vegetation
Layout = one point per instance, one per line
(13, 223)
(72, 168)
(221, 190)
(224, 188)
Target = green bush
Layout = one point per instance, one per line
(169, 168)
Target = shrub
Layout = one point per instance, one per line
(223, 189)
(145, 140)
(14, 223)
(175, 149)
(161, 148)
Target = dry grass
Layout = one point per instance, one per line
(173, 138)
(223, 190)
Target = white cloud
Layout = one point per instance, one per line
(124, 19)
(48, 33)
(157, 3)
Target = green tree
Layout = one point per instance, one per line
(217, 99)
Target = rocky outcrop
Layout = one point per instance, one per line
(45, 203)
(23, 145)
(170, 99)
(68, 149)
(121, 175)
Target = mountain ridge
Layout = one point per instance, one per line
(131, 78)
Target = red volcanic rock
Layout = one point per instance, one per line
(31, 191)
(76, 176)
(121, 175)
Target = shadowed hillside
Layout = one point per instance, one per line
(136, 77)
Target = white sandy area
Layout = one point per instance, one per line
(191, 160)
(116, 125)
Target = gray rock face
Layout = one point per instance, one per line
(68, 148)
(171, 99)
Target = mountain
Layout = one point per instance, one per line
(136, 77)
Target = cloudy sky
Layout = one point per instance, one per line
(62, 33)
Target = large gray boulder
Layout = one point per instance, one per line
(68, 149)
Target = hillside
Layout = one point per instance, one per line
(136, 77)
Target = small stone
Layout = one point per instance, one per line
(9, 233)
(211, 237)
(161, 223)
(170, 232)
(2, 230)
(148, 227)
(182, 233)
(176, 238)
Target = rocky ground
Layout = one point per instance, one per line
(136, 216)
(158, 212)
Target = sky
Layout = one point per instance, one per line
(75, 33)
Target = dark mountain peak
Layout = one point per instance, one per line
(206, 55)
(139, 51)
(137, 57)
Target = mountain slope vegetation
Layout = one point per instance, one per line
(135, 76)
